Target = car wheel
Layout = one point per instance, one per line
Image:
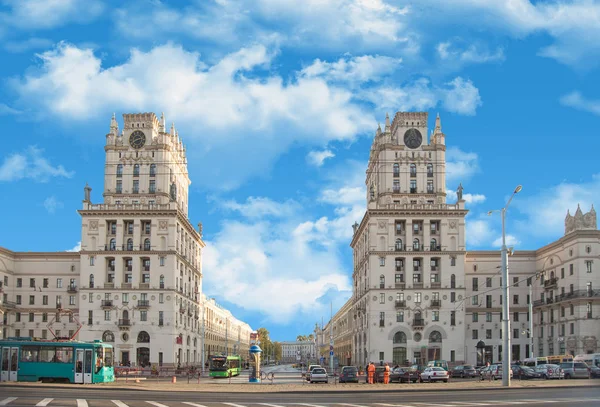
(462, 375)
(430, 381)
(445, 380)
(567, 376)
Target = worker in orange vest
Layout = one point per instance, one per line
(386, 374)
(371, 372)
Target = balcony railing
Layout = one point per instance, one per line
(551, 283)
(107, 303)
(436, 303)
(382, 324)
(400, 268)
(418, 285)
(124, 322)
(401, 286)
(413, 190)
(419, 322)
(72, 288)
(436, 284)
(144, 286)
(569, 296)
(396, 190)
(143, 303)
(434, 248)
(400, 303)
(109, 285)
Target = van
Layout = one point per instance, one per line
(575, 370)
(535, 362)
(438, 363)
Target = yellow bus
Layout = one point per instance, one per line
(558, 359)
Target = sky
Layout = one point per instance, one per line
(277, 102)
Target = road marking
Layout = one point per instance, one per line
(44, 402)
(471, 403)
(270, 405)
(351, 405)
(395, 405)
(234, 405)
(435, 405)
(193, 404)
(310, 405)
(119, 403)
(154, 403)
(82, 403)
(7, 400)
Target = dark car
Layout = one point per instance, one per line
(404, 375)
(464, 371)
(378, 377)
(525, 373)
(594, 371)
(349, 374)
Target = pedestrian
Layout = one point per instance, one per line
(386, 374)
(371, 372)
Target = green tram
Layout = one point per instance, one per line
(225, 366)
(31, 360)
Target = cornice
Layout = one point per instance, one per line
(565, 240)
(127, 212)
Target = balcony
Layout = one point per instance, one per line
(400, 268)
(382, 324)
(569, 296)
(400, 303)
(413, 190)
(107, 304)
(436, 284)
(143, 303)
(396, 190)
(124, 323)
(418, 323)
(144, 286)
(429, 174)
(400, 286)
(433, 248)
(418, 285)
(126, 286)
(430, 190)
(551, 283)
(417, 248)
(72, 289)
(436, 303)
(399, 248)
(396, 174)
(109, 285)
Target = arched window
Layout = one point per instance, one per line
(113, 244)
(91, 281)
(413, 170)
(416, 244)
(435, 337)
(162, 281)
(136, 170)
(152, 170)
(430, 170)
(147, 244)
(125, 315)
(400, 337)
(108, 336)
(398, 244)
(143, 337)
(551, 275)
(382, 281)
(433, 244)
(452, 281)
(119, 170)
(396, 170)
(130, 244)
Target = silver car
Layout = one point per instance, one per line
(318, 374)
(550, 371)
(575, 370)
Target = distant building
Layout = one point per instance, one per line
(418, 295)
(293, 351)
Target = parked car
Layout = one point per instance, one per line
(464, 371)
(493, 372)
(310, 369)
(318, 374)
(431, 374)
(378, 377)
(404, 375)
(594, 371)
(575, 370)
(349, 374)
(525, 372)
(550, 371)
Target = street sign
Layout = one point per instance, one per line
(330, 353)
(330, 348)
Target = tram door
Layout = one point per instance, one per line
(79, 366)
(88, 366)
(4, 360)
(10, 364)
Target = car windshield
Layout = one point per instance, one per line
(437, 369)
(318, 371)
(469, 367)
(349, 369)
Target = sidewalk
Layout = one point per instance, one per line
(314, 388)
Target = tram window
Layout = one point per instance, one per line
(30, 353)
(63, 355)
(47, 354)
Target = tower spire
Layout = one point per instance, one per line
(162, 128)
(114, 127)
(387, 123)
(438, 124)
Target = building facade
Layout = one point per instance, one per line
(295, 351)
(137, 280)
(418, 295)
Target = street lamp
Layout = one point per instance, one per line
(506, 351)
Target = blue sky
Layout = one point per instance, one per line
(277, 102)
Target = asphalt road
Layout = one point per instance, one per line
(69, 397)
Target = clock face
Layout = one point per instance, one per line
(137, 139)
(413, 138)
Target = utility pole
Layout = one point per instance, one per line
(531, 318)
(226, 344)
(202, 339)
(331, 339)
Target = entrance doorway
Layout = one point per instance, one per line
(125, 358)
(143, 357)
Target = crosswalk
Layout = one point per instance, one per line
(52, 402)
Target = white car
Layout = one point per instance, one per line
(431, 374)
(550, 371)
(318, 374)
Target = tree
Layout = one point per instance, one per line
(311, 337)
(301, 338)
(265, 343)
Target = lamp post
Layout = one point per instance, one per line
(506, 351)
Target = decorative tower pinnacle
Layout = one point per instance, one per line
(172, 129)
(438, 124)
(114, 127)
(162, 127)
(388, 127)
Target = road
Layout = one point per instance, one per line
(73, 397)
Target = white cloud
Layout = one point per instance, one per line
(7, 110)
(52, 204)
(510, 241)
(30, 164)
(260, 207)
(545, 211)
(457, 96)
(27, 45)
(250, 114)
(479, 232)
(77, 248)
(46, 14)
(366, 68)
(577, 101)
(317, 158)
(459, 53)
(470, 199)
(460, 165)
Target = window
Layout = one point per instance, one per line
(119, 170)
(32, 300)
(45, 282)
(435, 316)
(571, 328)
(32, 283)
(382, 261)
(430, 170)
(417, 297)
(452, 318)
(382, 319)
(475, 334)
(452, 261)
(396, 186)
(452, 296)
(125, 298)
(161, 261)
(147, 244)
(91, 299)
(119, 187)
(112, 244)
(45, 300)
(516, 299)
(382, 298)
(107, 315)
(129, 244)
(488, 317)
(152, 187)
(45, 317)
(18, 300)
(416, 244)
(162, 281)
(71, 300)
(515, 281)
(381, 355)
(18, 317)
(589, 310)
(433, 244)
(488, 301)
(161, 299)
(515, 316)
(413, 186)
(430, 187)
(475, 284)
(143, 315)
(19, 282)
(400, 316)
(588, 266)
(475, 317)
(58, 301)
(488, 334)
(92, 261)
(161, 320)
(152, 170)
(516, 333)
(136, 186)
(413, 170)
(488, 282)
(136, 170)
(570, 269)
(452, 281)
(572, 309)
(475, 300)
